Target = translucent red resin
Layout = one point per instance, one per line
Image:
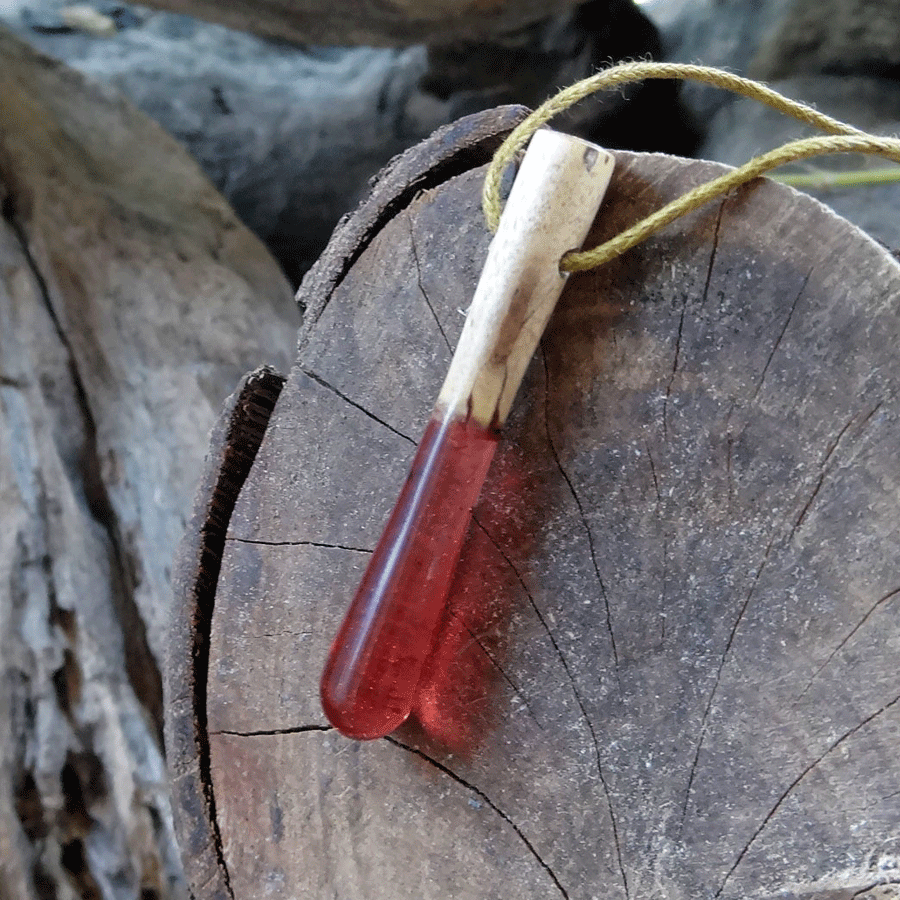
(373, 670)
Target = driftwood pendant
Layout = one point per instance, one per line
(373, 670)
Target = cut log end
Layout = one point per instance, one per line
(669, 654)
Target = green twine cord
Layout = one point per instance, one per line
(839, 138)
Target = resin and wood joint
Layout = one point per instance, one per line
(554, 199)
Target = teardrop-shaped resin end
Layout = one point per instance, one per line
(372, 674)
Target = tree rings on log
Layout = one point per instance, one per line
(668, 668)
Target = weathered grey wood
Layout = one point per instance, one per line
(235, 441)
(131, 299)
(370, 22)
(682, 587)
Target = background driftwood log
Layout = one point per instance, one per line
(669, 668)
(375, 22)
(131, 299)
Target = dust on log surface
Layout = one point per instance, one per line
(131, 299)
(669, 664)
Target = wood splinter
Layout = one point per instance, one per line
(373, 670)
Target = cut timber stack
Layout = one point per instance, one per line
(669, 665)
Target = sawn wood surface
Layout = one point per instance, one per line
(669, 665)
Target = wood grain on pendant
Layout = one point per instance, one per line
(550, 209)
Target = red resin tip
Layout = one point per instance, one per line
(373, 670)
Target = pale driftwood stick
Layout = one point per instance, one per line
(553, 202)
